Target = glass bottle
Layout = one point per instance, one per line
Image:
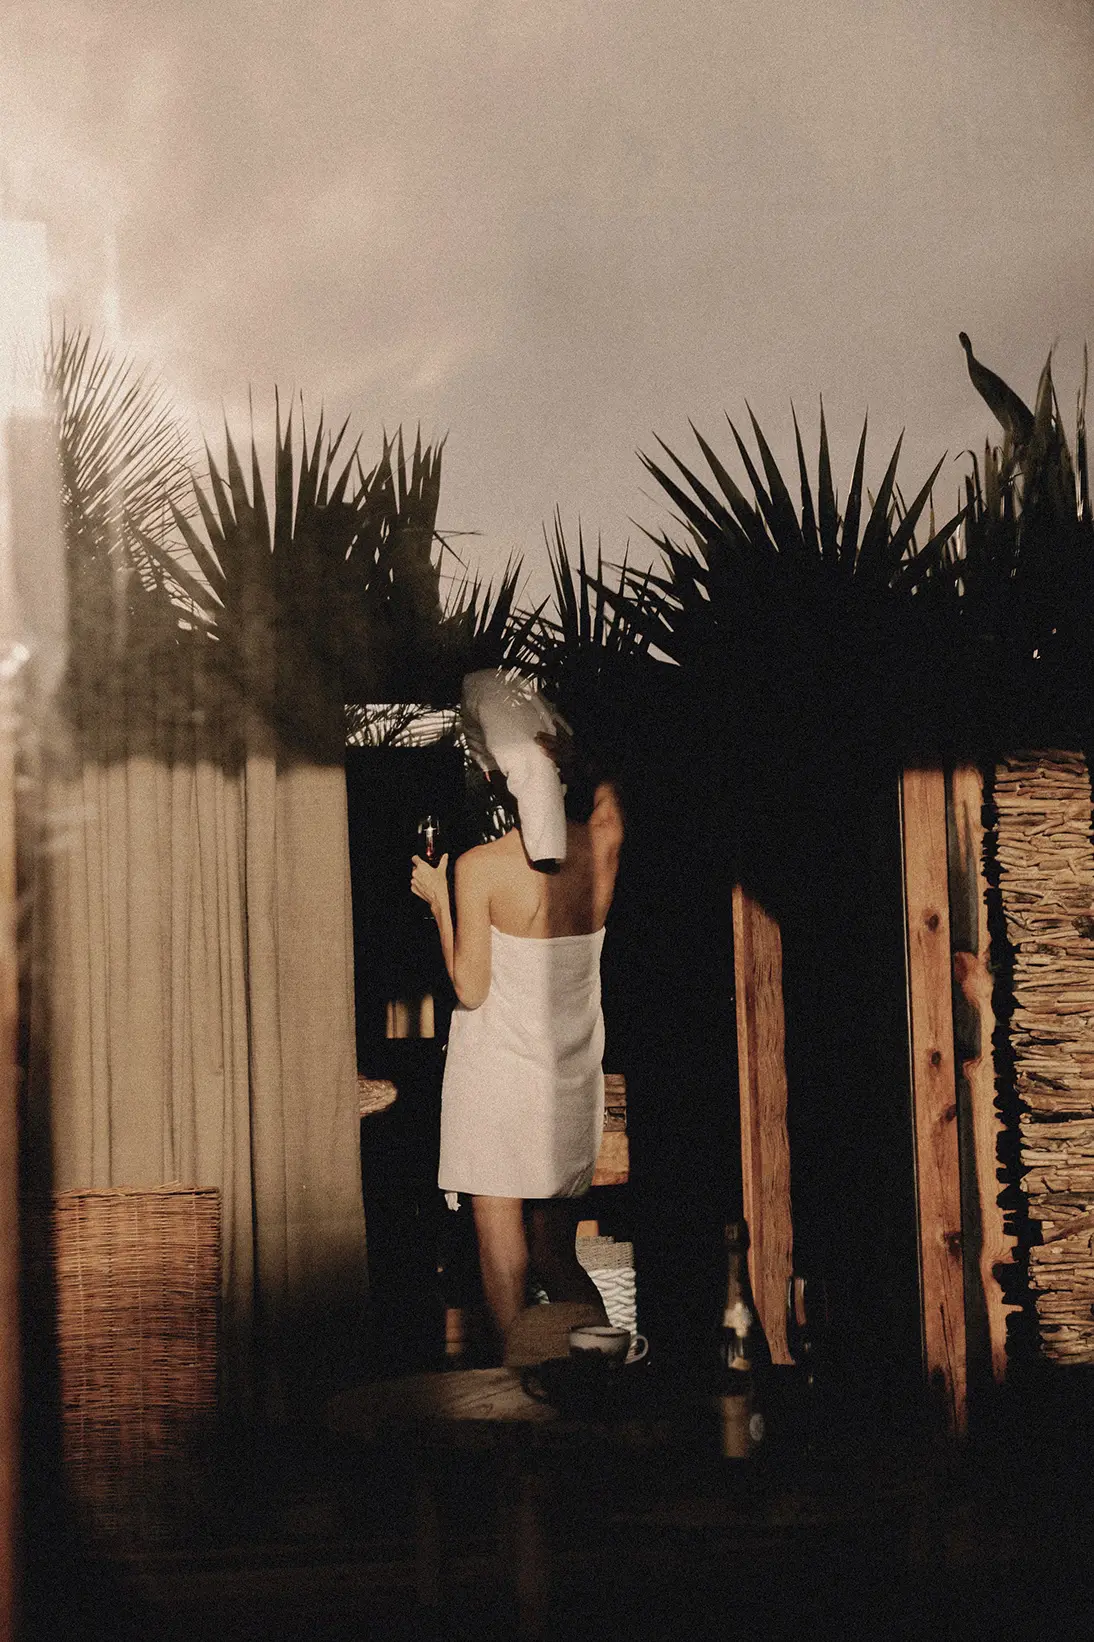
(741, 1357)
(807, 1323)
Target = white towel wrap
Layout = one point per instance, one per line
(522, 1105)
(501, 715)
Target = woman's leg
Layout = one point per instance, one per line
(503, 1257)
(552, 1226)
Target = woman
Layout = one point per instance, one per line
(522, 1107)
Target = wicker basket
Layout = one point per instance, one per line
(375, 1095)
(137, 1284)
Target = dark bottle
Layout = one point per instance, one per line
(807, 1326)
(806, 1323)
(742, 1356)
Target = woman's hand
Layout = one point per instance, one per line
(430, 883)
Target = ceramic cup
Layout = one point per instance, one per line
(602, 1345)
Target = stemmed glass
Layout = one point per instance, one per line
(429, 848)
(429, 839)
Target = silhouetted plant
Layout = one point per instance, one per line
(802, 624)
(221, 600)
(125, 473)
(1020, 581)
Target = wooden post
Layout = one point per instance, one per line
(987, 1244)
(934, 1098)
(765, 1147)
(9, 1171)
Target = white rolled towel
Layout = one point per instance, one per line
(501, 714)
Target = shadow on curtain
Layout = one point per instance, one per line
(191, 1000)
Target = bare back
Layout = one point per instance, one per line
(572, 901)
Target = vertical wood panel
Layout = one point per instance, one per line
(765, 1147)
(987, 1243)
(934, 1098)
(9, 1186)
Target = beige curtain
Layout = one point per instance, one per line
(197, 938)
(191, 1005)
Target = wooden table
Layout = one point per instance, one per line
(879, 1505)
(484, 1411)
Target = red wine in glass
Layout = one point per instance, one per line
(429, 839)
(429, 848)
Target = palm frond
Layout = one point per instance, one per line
(125, 463)
(828, 509)
(783, 522)
(586, 619)
(1081, 458)
(848, 546)
(483, 625)
(124, 484)
(810, 534)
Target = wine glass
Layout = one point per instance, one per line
(429, 848)
(429, 839)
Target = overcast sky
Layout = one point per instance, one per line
(552, 229)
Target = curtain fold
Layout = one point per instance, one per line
(196, 936)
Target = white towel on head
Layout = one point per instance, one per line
(501, 715)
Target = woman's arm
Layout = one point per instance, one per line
(606, 820)
(465, 944)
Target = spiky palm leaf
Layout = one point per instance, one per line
(768, 537)
(339, 582)
(396, 574)
(586, 652)
(292, 589)
(124, 475)
(484, 625)
(1023, 577)
(424, 640)
(125, 458)
(592, 636)
(777, 605)
(285, 599)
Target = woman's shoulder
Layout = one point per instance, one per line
(481, 857)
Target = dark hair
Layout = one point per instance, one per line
(581, 778)
(582, 772)
(591, 754)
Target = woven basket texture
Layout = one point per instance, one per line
(137, 1290)
(375, 1095)
(611, 1267)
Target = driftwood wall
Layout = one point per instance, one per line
(999, 908)
(1046, 888)
(1002, 1059)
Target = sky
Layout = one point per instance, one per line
(556, 231)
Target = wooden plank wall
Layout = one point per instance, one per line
(961, 1229)
(765, 1148)
(934, 1102)
(987, 1245)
